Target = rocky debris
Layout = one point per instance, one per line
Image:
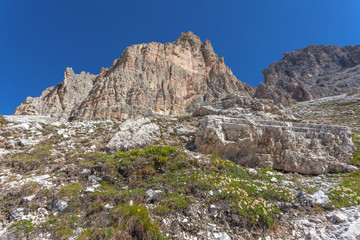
(221, 236)
(341, 224)
(17, 214)
(27, 119)
(134, 134)
(60, 100)
(158, 78)
(338, 217)
(295, 147)
(351, 168)
(27, 142)
(330, 110)
(313, 72)
(244, 107)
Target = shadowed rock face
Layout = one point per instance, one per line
(296, 147)
(148, 79)
(313, 72)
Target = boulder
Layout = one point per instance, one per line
(295, 147)
(134, 134)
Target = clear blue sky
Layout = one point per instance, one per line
(40, 38)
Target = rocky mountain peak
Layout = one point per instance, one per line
(313, 72)
(147, 79)
(68, 72)
(189, 39)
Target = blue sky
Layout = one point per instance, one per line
(40, 38)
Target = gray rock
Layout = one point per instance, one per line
(221, 236)
(339, 217)
(10, 144)
(94, 179)
(351, 168)
(353, 232)
(134, 134)
(89, 190)
(78, 231)
(27, 142)
(85, 171)
(185, 131)
(252, 171)
(320, 198)
(273, 180)
(59, 205)
(17, 214)
(151, 194)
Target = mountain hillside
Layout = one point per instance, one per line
(313, 72)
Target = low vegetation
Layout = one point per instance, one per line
(356, 159)
(347, 192)
(3, 122)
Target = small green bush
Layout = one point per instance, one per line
(136, 221)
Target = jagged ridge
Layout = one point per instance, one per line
(152, 78)
(313, 72)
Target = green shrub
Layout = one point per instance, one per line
(136, 221)
(173, 202)
(71, 190)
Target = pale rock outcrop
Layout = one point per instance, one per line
(134, 134)
(244, 107)
(313, 72)
(302, 148)
(60, 100)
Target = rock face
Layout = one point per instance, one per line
(313, 72)
(302, 148)
(60, 100)
(147, 79)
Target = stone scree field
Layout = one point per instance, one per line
(150, 179)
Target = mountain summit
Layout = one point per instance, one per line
(151, 78)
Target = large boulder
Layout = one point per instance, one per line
(302, 148)
(134, 134)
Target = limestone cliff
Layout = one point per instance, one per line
(313, 72)
(152, 78)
